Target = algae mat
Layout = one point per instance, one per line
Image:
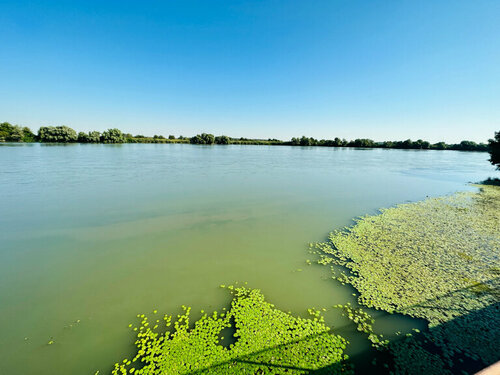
(439, 260)
(267, 340)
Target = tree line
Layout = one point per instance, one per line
(65, 134)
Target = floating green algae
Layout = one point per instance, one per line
(438, 260)
(268, 341)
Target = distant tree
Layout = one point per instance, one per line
(467, 145)
(421, 144)
(172, 137)
(407, 144)
(222, 140)
(494, 147)
(28, 135)
(90, 137)
(5, 131)
(304, 141)
(203, 139)
(112, 136)
(83, 137)
(15, 133)
(62, 134)
(295, 141)
(440, 146)
(362, 142)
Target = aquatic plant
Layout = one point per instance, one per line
(437, 260)
(364, 323)
(267, 340)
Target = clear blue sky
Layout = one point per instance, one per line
(268, 68)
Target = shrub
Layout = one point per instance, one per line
(62, 134)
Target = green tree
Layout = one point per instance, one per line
(494, 145)
(90, 137)
(112, 136)
(62, 134)
(5, 131)
(14, 133)
(203, 139)
(222, 140)
(28, 135)
(440, 146)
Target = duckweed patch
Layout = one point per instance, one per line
(438, 260)
(267, 341)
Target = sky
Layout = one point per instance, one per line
(259, 69)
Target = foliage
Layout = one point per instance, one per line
(203, 139)
(364, 323)
(15, 133)
(222, 140)
(112, 136)
(267, 341)
(495, 150)
(90, 137)
(62, 134)
(437, 259)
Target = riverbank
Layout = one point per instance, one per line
(65, 134)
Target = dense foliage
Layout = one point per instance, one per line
(495, 150)
(268, 341)
(90, 137)
(15, 133)
(10, 133)
(61, 134)
(438, 260)
(112, 136)
(203, 139)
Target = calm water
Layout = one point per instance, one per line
(99, 233)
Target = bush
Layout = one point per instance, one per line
(203, 139)
(14, 133)
(222, 140)
(112, 136)
(62, 134)
(90, 137)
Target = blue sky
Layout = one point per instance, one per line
(376, 69)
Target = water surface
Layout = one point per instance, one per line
(99, 233)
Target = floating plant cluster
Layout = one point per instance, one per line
(364, 323)
(267, 341)
(439, 260)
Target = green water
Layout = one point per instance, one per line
(99, 233)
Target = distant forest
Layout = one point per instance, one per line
(64, 134)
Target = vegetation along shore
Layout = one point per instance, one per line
(65, 134)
